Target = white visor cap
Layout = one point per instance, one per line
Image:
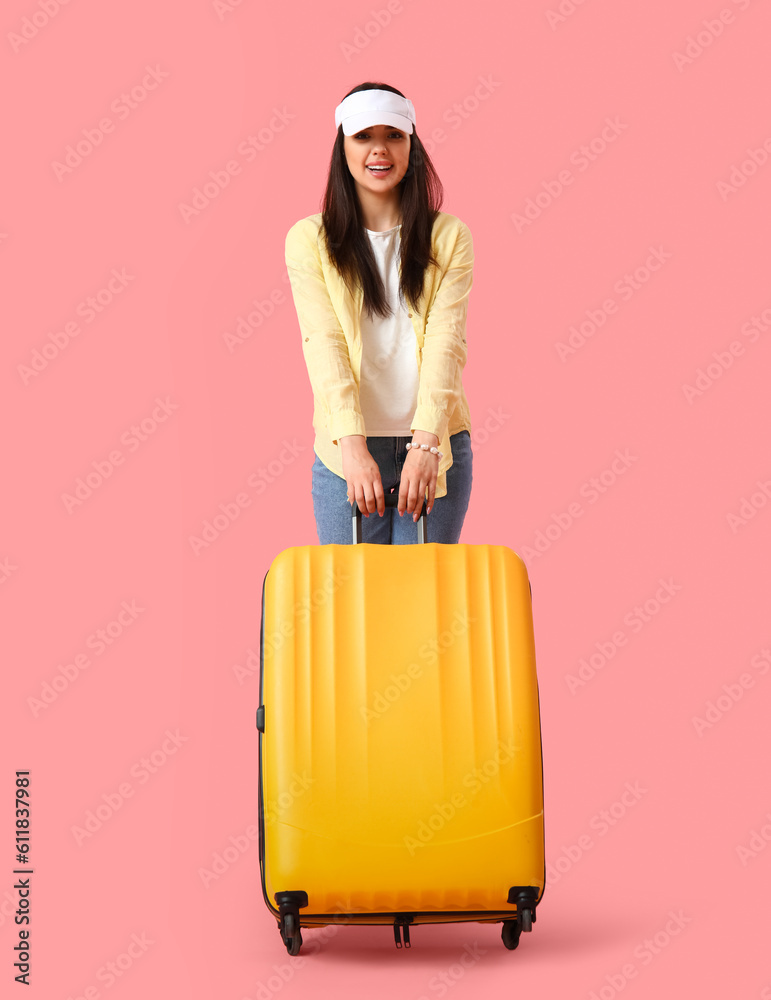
(366, 108)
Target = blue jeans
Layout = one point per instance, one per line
(333, 512)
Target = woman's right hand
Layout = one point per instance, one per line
(362, 475)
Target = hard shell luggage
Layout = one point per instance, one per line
(400, 765)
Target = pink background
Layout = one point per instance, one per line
(682, 129)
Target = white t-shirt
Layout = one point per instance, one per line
(388, 389)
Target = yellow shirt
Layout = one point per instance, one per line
(329, 319)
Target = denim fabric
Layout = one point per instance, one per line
(333, 512)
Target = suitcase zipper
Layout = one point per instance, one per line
(402, 920)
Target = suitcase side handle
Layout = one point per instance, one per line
(391, 500)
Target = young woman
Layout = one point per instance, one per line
(380, 280)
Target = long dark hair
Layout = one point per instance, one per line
(349, 248)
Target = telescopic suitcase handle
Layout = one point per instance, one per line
(391, 500)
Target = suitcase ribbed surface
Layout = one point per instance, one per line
(401, 754)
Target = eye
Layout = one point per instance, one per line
(391, 135)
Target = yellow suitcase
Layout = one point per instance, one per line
(400, 764)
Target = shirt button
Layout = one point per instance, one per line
(409, 314)
(307, 338)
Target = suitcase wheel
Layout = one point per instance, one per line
(510, 934)
(289, 904)
(290, 933)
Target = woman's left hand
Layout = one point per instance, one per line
(419, 476)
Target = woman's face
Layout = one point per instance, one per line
(378, 145)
